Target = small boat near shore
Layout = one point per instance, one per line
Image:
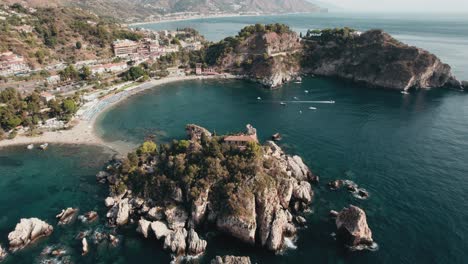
(44, 146)
(404, 92)
(30, 146)
(283, 103)
(259, 98)
(295, 98)
(276, 137)
(312, 108)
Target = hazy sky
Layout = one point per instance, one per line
(459, 6)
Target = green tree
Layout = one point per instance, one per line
(85, 73)
(148, 147)
(69, 106)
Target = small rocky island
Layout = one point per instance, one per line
(274, 54)
(231, 184)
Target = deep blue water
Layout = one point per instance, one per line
(410, 152)
(445, 35)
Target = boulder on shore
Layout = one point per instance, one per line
(352, 227)
(85, 246)
(123, 212)
(230, 260)
(109, 201)
(67, 216)
(27, 231)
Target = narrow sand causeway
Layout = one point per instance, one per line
(83, 131)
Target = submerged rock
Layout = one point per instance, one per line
(230, 260)
(89, 217)
(27, 231)
(84, 242)
(352, 227)
(67, 216)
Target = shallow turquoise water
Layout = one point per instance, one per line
(409, 152)
(445, 35)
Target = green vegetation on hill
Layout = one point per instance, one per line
(194, 167)
(49, 35)
(15, 110)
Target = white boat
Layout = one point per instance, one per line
(282, 103)
(295, 98)
(30, 146)
(259, 98)
(44, 146)
(313, 108)
(306, 91)
(300, 111)
(404, 92)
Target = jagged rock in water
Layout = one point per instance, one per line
(67, 216)
(156, 213)
(352, 227)
(196, 246)
(303, 191)
(230, 260)
(267, 204)
(299, 170)
(377, 59)
(123, 212)
(102, 176)
(3, 253)
(160, 229)
(175, 241)
(275, 241)
(195, 132)
(285, 191)
(301, 220)
(89, 217)
(176, 217)
(27, 231)
(84, 242)
(199, 207)
(143, 227)
(109, 202)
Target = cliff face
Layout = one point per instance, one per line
(377, 59)
(269, 56)
(251, 192)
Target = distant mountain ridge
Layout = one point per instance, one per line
(140, 10)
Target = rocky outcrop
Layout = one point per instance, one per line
(195, 132)
(195, 245)
(352, 227)
(175, 241)
(176, 217)
(67, 216)
(143, 227)
(303, 192)
(3, 253)
(160, 229)
(109, 202)
(260, 208)
(377, 59)
(27, 231)
(230, 260)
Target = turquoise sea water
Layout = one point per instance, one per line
(445, 35)
(410, 152)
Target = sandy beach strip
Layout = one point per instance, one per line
(83, 131)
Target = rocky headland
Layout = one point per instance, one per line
(231, 184)
(27, 231)
(274, 54)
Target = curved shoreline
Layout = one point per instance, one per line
(83, 130)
